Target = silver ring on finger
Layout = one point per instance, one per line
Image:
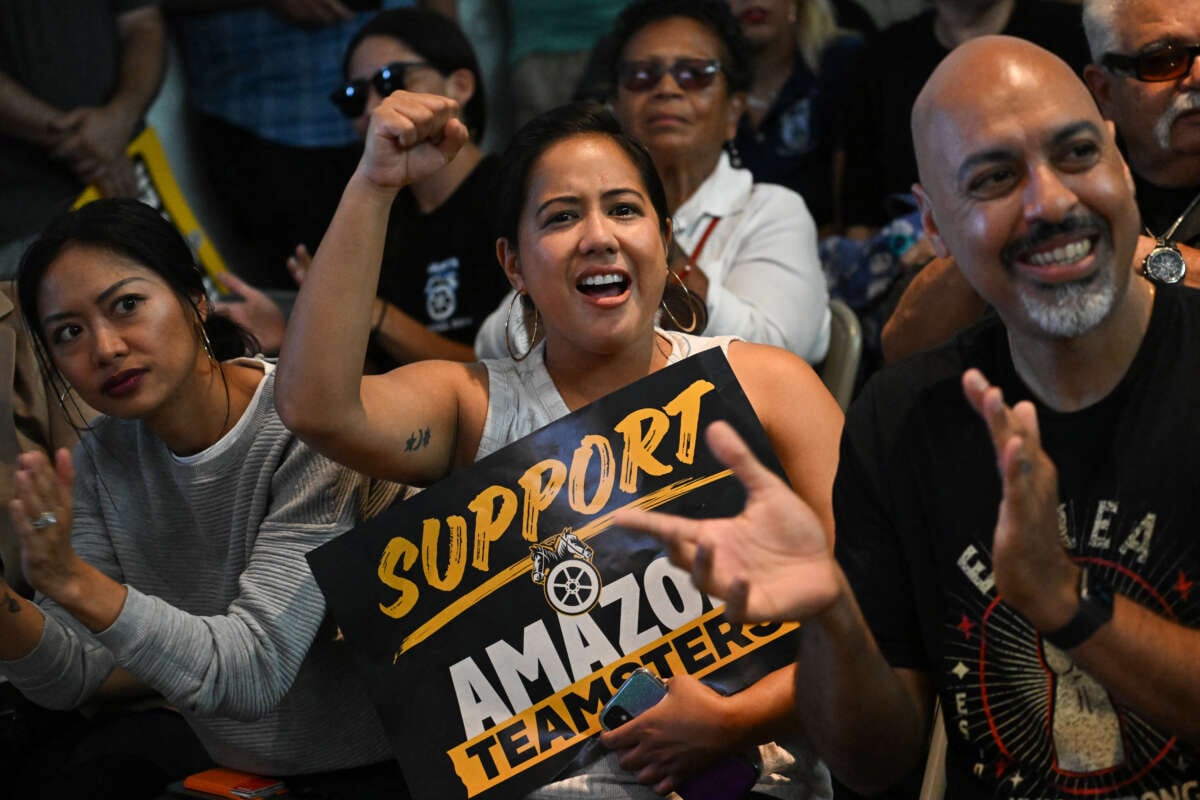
(43, 520)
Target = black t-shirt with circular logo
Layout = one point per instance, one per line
(440, 268)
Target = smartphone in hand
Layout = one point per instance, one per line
(641, 690)
(728, 778)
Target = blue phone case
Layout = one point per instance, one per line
(727, 779)
(640, 691)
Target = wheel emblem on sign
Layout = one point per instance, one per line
(562, 564)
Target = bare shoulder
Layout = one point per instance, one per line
(771, 374)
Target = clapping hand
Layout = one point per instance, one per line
(41, 513)
(1029, 558)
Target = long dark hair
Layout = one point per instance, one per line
(528, 144)
(133, 230)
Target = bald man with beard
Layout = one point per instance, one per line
(1016, 511)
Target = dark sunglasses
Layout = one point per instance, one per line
(351, 99)
(1164, 63)
(690, 74)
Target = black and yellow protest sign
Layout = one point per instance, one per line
(157, 188)
(494, 613)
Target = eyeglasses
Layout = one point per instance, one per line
(1162, 63)
(691, 74)
(351, 99)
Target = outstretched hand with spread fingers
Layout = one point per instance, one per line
(1028, 556)
(773, 561)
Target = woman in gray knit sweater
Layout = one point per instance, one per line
(168, 552)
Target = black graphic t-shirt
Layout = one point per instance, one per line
(440, 268)
(916, 500)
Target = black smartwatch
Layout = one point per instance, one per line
(1164, 264)
(1095, 609)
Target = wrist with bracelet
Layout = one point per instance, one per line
(1095, 609)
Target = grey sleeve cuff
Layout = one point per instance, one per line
(64, 669)
(130, 625)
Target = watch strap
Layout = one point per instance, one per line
(1095, 609)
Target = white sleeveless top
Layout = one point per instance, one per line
(522, 399)
(522, 396)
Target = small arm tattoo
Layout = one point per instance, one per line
(418, 439)
(13, 605)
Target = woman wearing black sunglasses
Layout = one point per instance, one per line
(439, 278)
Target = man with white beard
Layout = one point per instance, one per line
(1145, 79)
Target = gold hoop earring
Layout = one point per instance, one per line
(688, 295)
(532, 336)
(204, 340)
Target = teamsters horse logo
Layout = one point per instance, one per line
(562, 564)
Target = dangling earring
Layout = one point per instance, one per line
(532, 336)
(204, 340)
(65, 395)
(688, 299)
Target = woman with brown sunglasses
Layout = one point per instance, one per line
(680, 71)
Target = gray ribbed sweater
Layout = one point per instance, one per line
(222, 608)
